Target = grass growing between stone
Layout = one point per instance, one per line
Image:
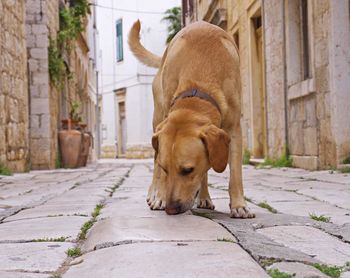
(4, 170)
(267, 206)
(275, 273)
(346, 160)
(331, 271)
(87, 225)
(248, 199)
(246, 157)
(344, 170)
(322, 217)
(284, 161)
(116, 186)
(73, 252)
(58, 239)
(225, 240)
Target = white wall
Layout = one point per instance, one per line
(129, 73)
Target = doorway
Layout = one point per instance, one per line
(121, 120)
(257, 88)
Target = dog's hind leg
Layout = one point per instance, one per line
(203, 199)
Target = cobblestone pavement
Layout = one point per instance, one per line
(100, 215)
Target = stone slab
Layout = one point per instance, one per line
(334, 197)
(53, 210)
(345, 274)
(266, 195)
(130, 207)
(33, 257)
(170, 228)
(169, 259)
(304, 208)
(300, 270)
(8, 274)
(222, 205)
(311, 241)
(39, 228)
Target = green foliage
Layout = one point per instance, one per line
(97, 210)
(246, 157)
(344, 170)
(322, 218)
(173, 17)
(57, 67)
(332, 271)
(75, 113)
(226, 240)
(73, 252)
(58, 239)
(284, 161)
(346, 160)
(71, 23)
(267, 206)
(275, 273)
(56, 276)
(87, 225)
(4, 170)
(58, 161)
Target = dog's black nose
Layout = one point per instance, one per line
(173, 208)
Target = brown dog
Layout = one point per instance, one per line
(196, 118)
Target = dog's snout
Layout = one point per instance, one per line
(173, 208)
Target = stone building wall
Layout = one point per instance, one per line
(274, 44)
(237, 24)
(306, 91)
(13, 87)
(41, 22)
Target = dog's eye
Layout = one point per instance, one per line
(186, 171)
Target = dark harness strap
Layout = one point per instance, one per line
(197, 93)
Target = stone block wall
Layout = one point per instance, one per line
(14, 145)
(274, 77)
(41, 22)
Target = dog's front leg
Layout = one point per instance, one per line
(203, 199)
(238, 205)
(157, 191)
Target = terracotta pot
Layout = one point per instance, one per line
(84, 153)
(70, 142)
(74, 124)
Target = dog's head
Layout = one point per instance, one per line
(185, 152)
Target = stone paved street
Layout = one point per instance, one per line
(45, 213)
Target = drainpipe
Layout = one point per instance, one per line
(285, 77)
(97, 115)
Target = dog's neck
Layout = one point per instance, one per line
(198, 107)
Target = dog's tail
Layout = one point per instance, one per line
(142, 54)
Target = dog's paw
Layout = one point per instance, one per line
(205, 203)
(243, 212)
(150, 196)
(157, 204)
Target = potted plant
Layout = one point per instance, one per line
(70, 139)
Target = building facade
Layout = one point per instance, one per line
(295, 74)
(14, 122)
(126, 84)
(31, 106)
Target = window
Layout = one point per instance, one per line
(305, 40)
(119, 31)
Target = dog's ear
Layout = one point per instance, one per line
(217, 143)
